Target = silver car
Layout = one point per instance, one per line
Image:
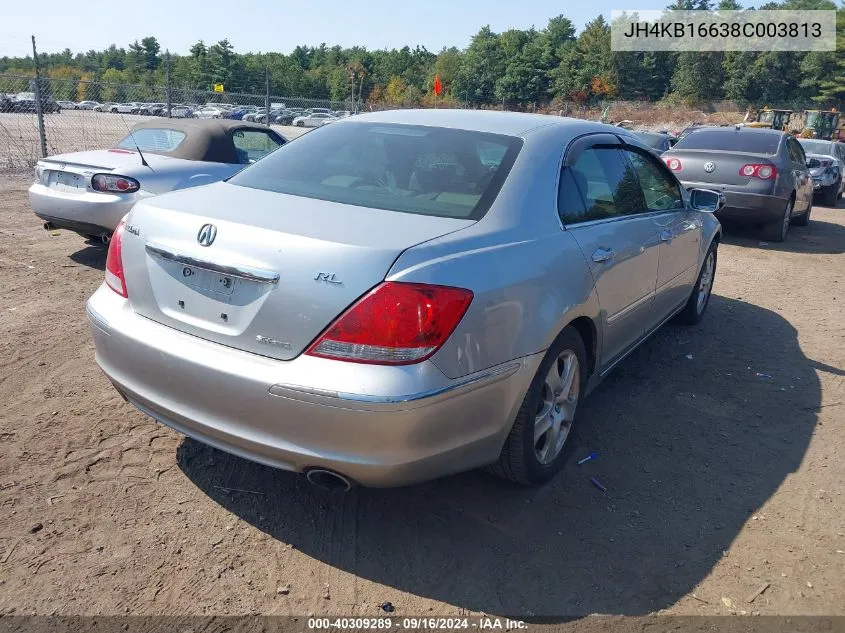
(828, 181)
(403, 295)
(762, 173)
(89, 192)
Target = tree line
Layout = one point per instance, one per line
(516, 68)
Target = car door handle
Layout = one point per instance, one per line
(666, 236)
(603, 254)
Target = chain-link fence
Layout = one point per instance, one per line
(81, 115)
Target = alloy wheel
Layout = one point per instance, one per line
(556, 410)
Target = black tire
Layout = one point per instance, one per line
(804, 218)
(777, 231)
(693, 311)
(830, 195)
(518, 461)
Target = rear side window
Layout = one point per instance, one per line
(412, 169)
(251, 145)
(731, 140)
(607, 185)
(153, 140)
(796, 152)
(660, 190)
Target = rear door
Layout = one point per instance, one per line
(601, 203)
(679, 232)
(800, 175)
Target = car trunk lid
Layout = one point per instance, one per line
(711, 166)
(279, 268)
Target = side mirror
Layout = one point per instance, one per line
(813, 163)
(706, 200)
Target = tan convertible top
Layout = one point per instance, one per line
(205, 139)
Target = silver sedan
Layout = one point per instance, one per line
(403, 295)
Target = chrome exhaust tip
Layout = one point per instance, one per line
(106, 238)
(328, 480)
(48, 226)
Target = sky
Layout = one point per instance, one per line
(279, 26)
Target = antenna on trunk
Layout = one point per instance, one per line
(135, 143)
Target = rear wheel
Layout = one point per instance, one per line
(804, 218)
(777, 232)
(539, 441)
(830, 195)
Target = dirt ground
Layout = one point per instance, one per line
(721, 448)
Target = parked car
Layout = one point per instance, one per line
(238, 113)
(828, 183)
(659, 142)
(209, 112)
(180, 111)
(825, 176)
(68, 105)
(321, 111)
(285, 117)
(124, 108)
(48, 106)
(315, 119)
(89, 192)
(5, 103)
(102, 107)
(762, 172)
(87, 105)
(404, 295)
(261, 116)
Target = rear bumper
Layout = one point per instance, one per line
(102, 211)
(746, 208)
(378, 426)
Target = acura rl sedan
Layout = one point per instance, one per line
(403, 295)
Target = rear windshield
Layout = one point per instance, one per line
(731, 140)
(424, 170)
(816, 147)
(153, 140)
(651, 139)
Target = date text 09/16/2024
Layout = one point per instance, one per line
(419, 623)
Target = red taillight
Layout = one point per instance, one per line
(114, 263)
(396, 323)
(110, 183)
(673, 163)
(763, 171)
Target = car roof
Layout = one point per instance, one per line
(207, 140)
(490, 121)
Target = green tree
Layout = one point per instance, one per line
(481, 66)
(586, 65)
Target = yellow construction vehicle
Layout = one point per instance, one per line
(823, 124)
(772, 118)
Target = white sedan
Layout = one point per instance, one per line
(313, 120)
(209, 113)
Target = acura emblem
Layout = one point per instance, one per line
(708, 167)
(207, 234)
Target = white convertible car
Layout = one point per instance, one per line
(89, 192)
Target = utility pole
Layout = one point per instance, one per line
(167, 96)
(39, 110)
(352, 87)
(267, 94)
